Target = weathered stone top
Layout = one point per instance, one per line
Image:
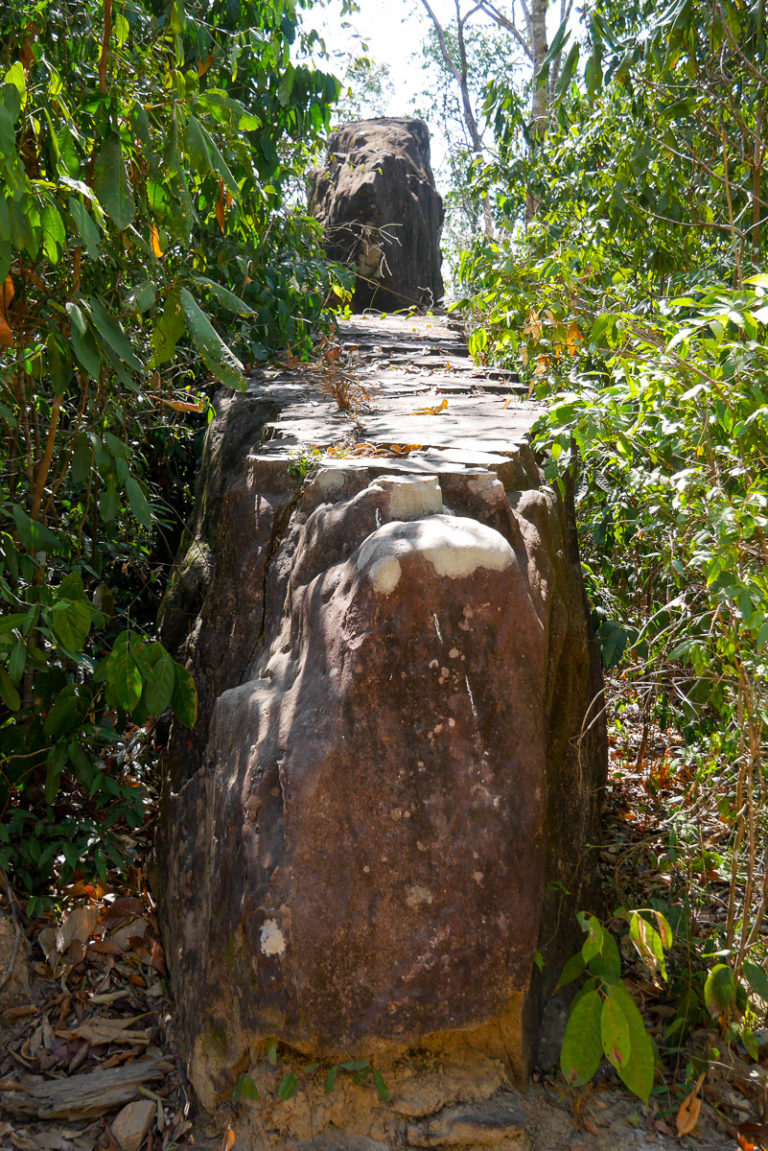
(431, 408)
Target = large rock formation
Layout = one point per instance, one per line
(385, 809)
(376, 198)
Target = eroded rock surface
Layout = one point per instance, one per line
(395, 778)
(377, 200)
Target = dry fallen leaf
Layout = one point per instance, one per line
(97, 1031)
(78, 925)
(228, 1141)
(690, 1108)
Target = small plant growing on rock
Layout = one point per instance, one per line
(604, 1018)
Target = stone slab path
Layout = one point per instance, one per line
(429, 407)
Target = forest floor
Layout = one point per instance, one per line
(87, 1052)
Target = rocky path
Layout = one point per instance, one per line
(415, 398)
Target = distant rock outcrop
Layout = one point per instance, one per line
(377, 200)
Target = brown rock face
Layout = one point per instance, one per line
(384, 810)
(377, 200)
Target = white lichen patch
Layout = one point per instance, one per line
(454, 546)
(418, 895)
(271, 938)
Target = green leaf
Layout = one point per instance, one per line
(219, 359)
(184, 697)
(57, 759)
(139, 503)
(71, 623)
(608, 963)
(637, 1074)
(593, 944)
(17, 661)
(83, 342)
(272, 1050)
(82, 459)
(381, 1088)
(331, 1078)
(124, 678)
(614, 1030)
(245, 1088)
(59, 363)
(228, 111)
(288, 1087)
(226, 298)
(112, 334)
(719, 990)
(161, 680)
(169, 329)
(757, 978)
(109, 502)
(54, 233)
(65, 716)
(648, 942)
(35, 537)
(111, 184)
(197, 146)
(582, 1047)
(8, 693)
(572, 970)
(88, 229)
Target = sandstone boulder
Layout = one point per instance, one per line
(383, 818)
(377, 200)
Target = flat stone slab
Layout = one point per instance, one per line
(430, 406)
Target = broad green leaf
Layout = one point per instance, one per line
(288, 1087)
(572, 970)
(71, 623)
(59, 363)
(245, 1088)
(112, 334)
(57, 758)
(228, 111)
(719, 990)
(757, 977)
(160, 681)
(9, 623)
(331, 1078)
(648, 943)
(111, 183)
(381, 1088)
(35, 537)
(109, 501)
(637, 1074)
(8, 693)
(197, 146)
(219, 359)
(608, 963)
(54, 233)
(226, 298)
(65, 715)
(184, 697)
(71, 587)
(82, 459)
(138, 501)
(614, 1030)
(17, 661)
(593, 944)
(169, 329)
(123, 679)
(83, 342)
(582, 1047)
